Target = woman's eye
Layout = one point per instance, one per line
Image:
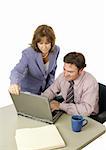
(44, 43)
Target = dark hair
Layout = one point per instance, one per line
(75, 58)
(41, 31)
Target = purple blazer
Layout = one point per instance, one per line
(30, 74)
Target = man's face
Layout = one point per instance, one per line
(71, 72)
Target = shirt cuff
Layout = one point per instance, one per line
(63, 107)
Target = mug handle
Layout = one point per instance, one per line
(85, 122)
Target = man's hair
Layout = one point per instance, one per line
(42, 31)
(75, 58)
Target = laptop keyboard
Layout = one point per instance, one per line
(55, 112)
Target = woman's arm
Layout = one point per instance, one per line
(20, 70)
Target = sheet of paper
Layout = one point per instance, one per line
(104, 123)
(40, 138)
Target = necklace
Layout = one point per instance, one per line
(44, 56)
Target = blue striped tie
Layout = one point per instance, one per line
(70, 93)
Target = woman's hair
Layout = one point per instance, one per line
(42, 31)
(75, 58)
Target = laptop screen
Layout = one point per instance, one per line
(34, 106)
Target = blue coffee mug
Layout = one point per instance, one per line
(78, 122)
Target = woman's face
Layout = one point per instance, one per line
(44, 46)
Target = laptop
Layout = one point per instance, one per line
(35, 107)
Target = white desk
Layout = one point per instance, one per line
(98, 144)
(9, 122)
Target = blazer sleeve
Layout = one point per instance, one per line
(20, 70)
(51, 75)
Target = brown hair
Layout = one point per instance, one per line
(41, 31)
(75, 58)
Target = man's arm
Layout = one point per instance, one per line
(86, 105)
(52, 90)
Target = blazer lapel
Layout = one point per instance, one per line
(51, 61)
(40, 63)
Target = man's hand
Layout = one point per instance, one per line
(54, 105)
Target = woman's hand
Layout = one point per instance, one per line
(14, 89)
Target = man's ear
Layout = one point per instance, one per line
(80, 70)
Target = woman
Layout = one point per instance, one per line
(36, 69)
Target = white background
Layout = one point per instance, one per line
(79, 25)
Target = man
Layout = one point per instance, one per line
(83, 97)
